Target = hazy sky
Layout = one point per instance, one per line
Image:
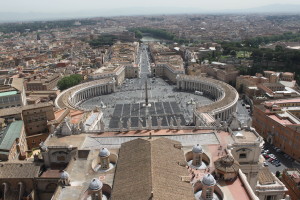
(51, 6)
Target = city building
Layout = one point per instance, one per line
(18, 180)
(13, 145)
(36, 119)
(37, 83)
(220, 71)
(165, 62)
(269, 186)
(11, 114)
(278, 123)
(12, 93)
(273, 85)
(35, 97)
(122, 63)
(291, 179)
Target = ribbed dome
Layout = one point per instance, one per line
(104, 152)
(197, 149)
(227, 164)
(95, 184)
(64, 175)
(208, 180)
(227, 160)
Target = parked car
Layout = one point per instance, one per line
(278, 164)
(274, 161)
(266, 164)
(278, 150)
(272, 155)
(266, 156)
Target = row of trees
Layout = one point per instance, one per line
(103, 40)
(255, 42)
(34, 26)
(158, 33)
(69, 81)
(278, 59)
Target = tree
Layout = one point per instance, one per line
(138, 34)
(233, 53)
(277, 174)
(69, 81)
(278, 48)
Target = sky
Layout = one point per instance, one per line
(58, 6)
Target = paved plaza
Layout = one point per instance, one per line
(168, 112)
(167, 103)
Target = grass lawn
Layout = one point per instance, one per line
(224, 57)
(240, 54)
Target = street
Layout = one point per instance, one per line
(285, 162)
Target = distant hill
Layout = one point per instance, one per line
(269, 9)
(274, 8)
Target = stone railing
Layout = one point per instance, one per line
(125, 129)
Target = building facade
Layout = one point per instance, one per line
(12, 93)
(42, 83)
(36, 119)
(291, 179)
(278, 123)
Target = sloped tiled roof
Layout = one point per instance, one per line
(149, 169)
(265, 177)
(19, 170)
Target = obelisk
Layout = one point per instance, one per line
(147, 104)
(146, 93)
